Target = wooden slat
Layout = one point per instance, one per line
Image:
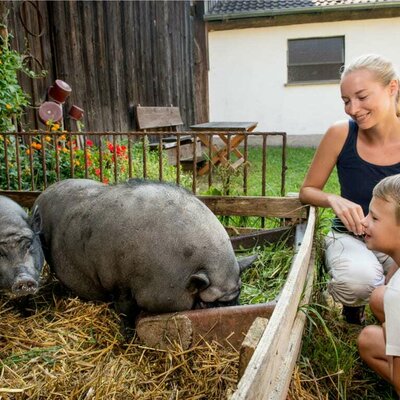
(253, 239)
(279, 207)
(158, 117)
(284, 376)
(256, 206)
(260, 376)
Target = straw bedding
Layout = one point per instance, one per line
(58, 347)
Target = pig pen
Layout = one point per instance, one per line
(57, 346)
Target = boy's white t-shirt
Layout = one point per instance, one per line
(391, 302)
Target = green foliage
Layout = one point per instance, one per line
(13, 99)
(264, 280)
(62, 157)
(228, 181)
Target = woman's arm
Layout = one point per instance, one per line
(321, 167)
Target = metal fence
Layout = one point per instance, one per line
(31, 161)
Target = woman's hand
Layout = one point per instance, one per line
(349, 213)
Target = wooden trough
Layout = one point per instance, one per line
(267, 365)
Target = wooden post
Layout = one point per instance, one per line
(250, 343)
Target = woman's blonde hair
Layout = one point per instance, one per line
(383, 69)
(388, 189)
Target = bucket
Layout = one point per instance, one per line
(50, 111)
(76, 112)
(59, 91)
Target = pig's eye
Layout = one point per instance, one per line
(27, 244)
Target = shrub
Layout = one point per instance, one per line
(13, 99)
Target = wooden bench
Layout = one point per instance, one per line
(153, 119)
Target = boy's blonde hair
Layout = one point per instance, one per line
(388, 189)
(383, 69)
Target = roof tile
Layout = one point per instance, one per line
(250, 6)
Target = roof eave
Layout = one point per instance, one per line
(307, 10)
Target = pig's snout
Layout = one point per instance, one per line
(23, 285)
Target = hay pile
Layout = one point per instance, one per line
(70, 349)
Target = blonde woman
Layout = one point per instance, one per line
(365, 150)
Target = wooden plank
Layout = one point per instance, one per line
(279, 207)
(256, 206)
(158, 117)
(200, 60)
(253, 239)
(186, 152)
(114, 50)
(259, 378)
(284, 376)
(245, 126)
(223, 324)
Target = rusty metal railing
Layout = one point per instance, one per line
(31, 161)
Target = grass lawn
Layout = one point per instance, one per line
(329, 366)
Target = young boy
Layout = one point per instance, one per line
(379, 346)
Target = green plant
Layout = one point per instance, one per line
(13, 99)
(55, 155)
(265, 279)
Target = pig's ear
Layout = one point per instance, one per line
(198, 282)
(36, 221)
(246, 262)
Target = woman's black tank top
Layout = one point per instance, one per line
(358, 177)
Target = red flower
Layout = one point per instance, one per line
(97, 171)
(121, 150)
(89, 142)
(110, 147)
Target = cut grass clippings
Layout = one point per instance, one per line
(263, 282)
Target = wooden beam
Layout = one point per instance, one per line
(279, 207)
(256, 206)
(274, 235)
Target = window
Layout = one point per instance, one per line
(315, 59)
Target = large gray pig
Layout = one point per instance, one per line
(21, 256)
(144, 245)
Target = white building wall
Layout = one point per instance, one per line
(248, 74)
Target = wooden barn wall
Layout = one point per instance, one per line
(115, 55)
